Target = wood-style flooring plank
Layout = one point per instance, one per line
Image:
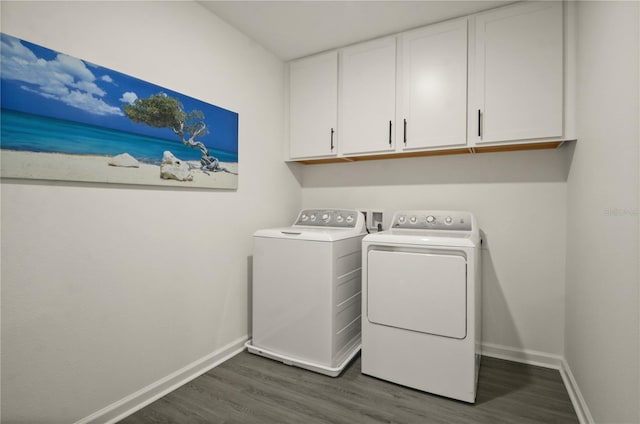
(250, 389)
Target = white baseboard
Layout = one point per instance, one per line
(582, 411)
(531, 357)
(154, 391)
(547, 360)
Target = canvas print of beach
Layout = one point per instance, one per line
(63, 118)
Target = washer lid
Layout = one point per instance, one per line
(309, 234)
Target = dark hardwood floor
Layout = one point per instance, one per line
(251, 389)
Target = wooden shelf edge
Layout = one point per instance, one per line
(465, 150)
(320, 161)
(519, 147)
(461, 151)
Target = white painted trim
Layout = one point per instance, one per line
(154, 391)
(582, 411)
(547, 360)
(531, 357)
(570, 60)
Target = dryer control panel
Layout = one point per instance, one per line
(432, 220)
(341, 218)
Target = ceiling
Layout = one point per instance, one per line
(293, 29)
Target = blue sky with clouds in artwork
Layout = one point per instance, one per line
(40, 81)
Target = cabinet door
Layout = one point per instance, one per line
(519, 73)
(367, 97)
(433, 95)
(313, 106)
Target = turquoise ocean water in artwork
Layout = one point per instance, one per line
(34, 133)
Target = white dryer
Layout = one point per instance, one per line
(421, 303)
(307, 290)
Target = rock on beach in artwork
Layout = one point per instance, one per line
(173, 168)
(124, 160)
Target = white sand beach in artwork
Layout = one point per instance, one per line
(57, 166)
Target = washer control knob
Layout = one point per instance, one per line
(401, 219)
(326, 217)
(413, 219)
(339, 218)
(431, 219)
(312, 217)
(304, 217)
(448, 220)
(349, 219)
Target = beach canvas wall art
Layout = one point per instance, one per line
(63, 118)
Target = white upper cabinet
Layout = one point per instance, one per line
(367, 97)
(486, 81)
(432, 97)
(517, 77)
(313, 106)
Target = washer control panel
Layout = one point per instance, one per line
(343, 218)
(432, 220)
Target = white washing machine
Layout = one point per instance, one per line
(307, 290)
(421, 307)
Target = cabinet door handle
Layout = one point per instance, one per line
(479, 121)
(389, 133)
(404, 133)
(332, 146)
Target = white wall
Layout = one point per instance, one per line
(602, 325)
(519, 199)
(108, 288)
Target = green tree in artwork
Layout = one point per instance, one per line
(162, 111)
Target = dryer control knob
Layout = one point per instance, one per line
(339, 218)
(350, 219)
(312, 217)
(304, 217)
(326, 217)
(401, 219)
(413, 219)
(448, 220)
(431, 219)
